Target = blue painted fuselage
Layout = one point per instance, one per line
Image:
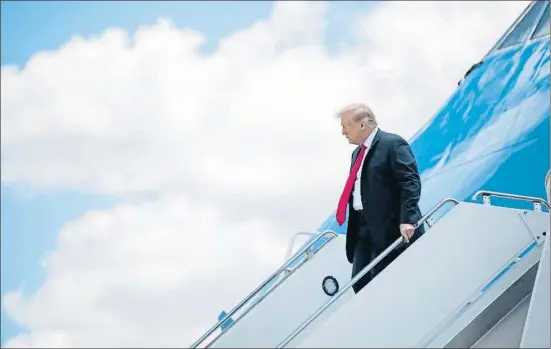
(491, 134)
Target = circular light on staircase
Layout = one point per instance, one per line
(330, 285)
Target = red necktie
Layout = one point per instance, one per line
(341, 209)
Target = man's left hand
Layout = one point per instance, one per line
(407, 231)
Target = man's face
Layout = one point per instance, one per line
(352, 130)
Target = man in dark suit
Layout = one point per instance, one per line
(382, 193)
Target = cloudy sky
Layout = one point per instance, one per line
(157, 157)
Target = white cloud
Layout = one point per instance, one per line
(142, 274)
(239, 147)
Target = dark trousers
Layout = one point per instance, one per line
(366, 251)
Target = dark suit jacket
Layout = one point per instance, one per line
(390, 191)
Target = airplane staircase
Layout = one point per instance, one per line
(467, 282)
(256, 320)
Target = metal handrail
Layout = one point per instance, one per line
(292, 242)
(486, 194)
(329, 233)
(305, 250)
(364, 271)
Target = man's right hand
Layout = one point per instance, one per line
(407, 231)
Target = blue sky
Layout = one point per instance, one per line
(31, 219)
(147, 256)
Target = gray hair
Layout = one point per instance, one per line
(360, 112)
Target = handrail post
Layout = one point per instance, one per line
(364, 271)
(329, 233)
(292, 243)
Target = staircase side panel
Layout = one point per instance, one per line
(507, 332)
(492, 307)
(538, 324)
(429, 281)
(295, 299)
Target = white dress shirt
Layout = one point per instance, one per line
(356, 193)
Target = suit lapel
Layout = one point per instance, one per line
(369, 151)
